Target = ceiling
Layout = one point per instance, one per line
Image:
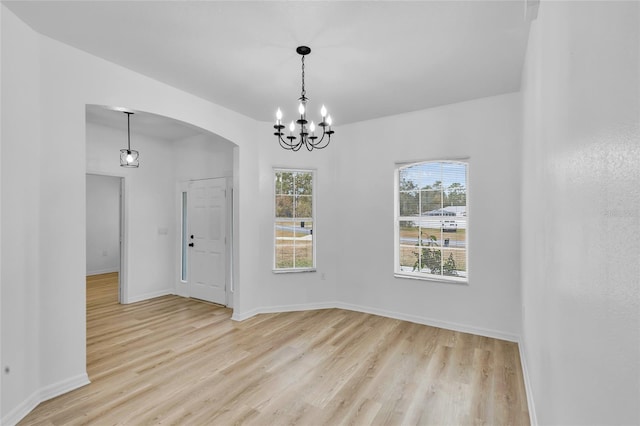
(143, 123)
(368, 59)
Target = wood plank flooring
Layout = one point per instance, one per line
(178, 361)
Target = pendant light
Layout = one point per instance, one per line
(129, 157)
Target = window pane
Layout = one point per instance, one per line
(409, 232)
(431, 203)
(408, 203)
(421, 175)
(284, 255)
(303, 207)
(303, 183)
(284, 183)
(285, 233)
(454, 262)
(429, 260)
(304, 244)
(284, 206)
(408, 258)
(454, 176)
(455, 239)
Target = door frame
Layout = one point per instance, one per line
(182, 287)
(123, 288)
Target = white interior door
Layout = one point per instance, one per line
(207, 239)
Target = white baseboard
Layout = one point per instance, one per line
(241, 316)
(533, 418)
(103, 271)
(42, 395)
(463, 328)
(64, 386)
(147, 296)
(12, 418)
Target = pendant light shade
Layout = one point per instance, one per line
(128, 156)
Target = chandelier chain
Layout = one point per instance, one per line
(304, 92)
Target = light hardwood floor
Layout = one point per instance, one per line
(172, 360)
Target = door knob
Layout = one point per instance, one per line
(190, 244)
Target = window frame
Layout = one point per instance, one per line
(398, 273)
(313, 219)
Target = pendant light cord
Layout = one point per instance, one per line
(128, 132)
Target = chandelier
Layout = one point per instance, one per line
(129, 157)
(306, 133)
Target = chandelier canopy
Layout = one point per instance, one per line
(306, 133)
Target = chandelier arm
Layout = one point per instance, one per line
(284, 144)
(319, 145)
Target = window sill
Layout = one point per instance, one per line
(442, 280)
(289, 271)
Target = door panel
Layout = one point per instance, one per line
(207, 229)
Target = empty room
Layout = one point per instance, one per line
(320, 212)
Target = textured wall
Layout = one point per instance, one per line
(581, 213)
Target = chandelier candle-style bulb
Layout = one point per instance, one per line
(306, 131)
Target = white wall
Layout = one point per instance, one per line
(201, 157)
(304, 290)
(487, 132)
(149, 201)
(103, 224)
(21, 210)
(581, 213)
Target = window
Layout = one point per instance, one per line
(183, 242)
(431, 219)
(294, 240)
